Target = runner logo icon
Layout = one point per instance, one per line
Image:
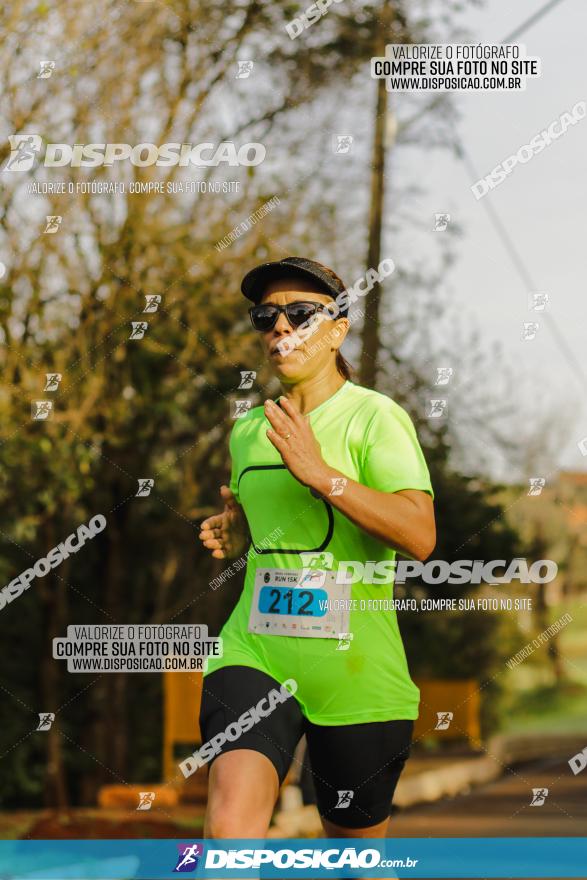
(189, 856)
(24, 149)
(444, 719)
(146, 799)
(46, 719)
(315, 566)
(344, 799)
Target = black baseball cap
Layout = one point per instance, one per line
(255, 282)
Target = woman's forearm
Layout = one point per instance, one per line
(402, 520)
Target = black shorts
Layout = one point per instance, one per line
(355, 767)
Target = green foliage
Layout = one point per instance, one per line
(470, 643)
(159, 407)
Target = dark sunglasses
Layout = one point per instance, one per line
(264, 317)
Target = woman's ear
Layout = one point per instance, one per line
(339, 331)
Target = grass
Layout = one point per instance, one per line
(548, 709)
(535, 701)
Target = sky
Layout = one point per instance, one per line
(542, 206)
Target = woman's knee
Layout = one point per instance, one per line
(224, 822)
(232, 817)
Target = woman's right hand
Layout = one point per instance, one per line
(226, 534)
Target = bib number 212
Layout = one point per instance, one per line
(283, 600)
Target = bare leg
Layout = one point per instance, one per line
(243, 788)
(332, 830)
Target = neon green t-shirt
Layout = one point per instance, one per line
(370, 439)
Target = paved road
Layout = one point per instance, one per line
(502, 808)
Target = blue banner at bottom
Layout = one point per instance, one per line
(527, 857)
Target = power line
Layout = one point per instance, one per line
(519, 264)
(530, 21)
(437, 101)
(498, 225)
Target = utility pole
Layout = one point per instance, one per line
(370, 341)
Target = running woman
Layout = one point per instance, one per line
(333, 471)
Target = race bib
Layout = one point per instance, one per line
(292, 602)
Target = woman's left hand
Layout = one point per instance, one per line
(292, 436)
